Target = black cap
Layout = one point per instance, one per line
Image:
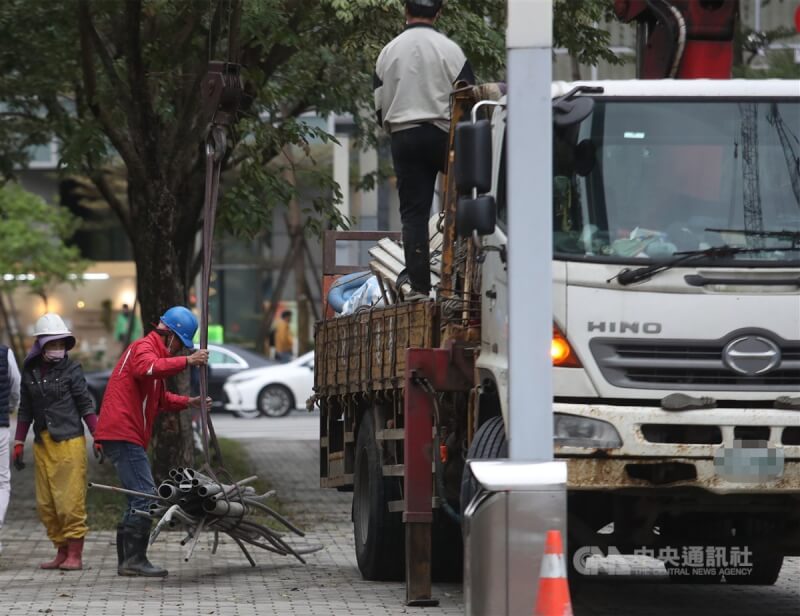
(435, 4)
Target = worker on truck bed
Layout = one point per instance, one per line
(414, 76)
(134, 396)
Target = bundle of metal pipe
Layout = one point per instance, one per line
(197, 502)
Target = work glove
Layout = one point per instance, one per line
(194, 403)
(18, 463)
(99, 454)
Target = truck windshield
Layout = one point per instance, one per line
(643, 180)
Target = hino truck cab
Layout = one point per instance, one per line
(676, 316)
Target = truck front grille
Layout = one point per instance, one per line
(678, 364)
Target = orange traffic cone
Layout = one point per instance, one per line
(553, 596)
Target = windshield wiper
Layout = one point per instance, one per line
(785, 234)
(630, 276)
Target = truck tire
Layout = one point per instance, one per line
(767, 566)
(489, 443)
(378, 534)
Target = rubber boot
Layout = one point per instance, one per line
(74, 560)
(120, 548)
(136, 563)
(56, 562)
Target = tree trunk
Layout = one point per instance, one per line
(575, 67)
(161, 252)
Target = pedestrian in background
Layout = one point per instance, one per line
(284, 342)
(9, 401)
(135, 394)
(414, 76)
(54, 398)
(127, 321)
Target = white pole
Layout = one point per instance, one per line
(530, 186)
(757, 15)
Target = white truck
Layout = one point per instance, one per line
(676, 340)
(676, 321)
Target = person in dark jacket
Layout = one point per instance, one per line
(55, 399)
(135, 394)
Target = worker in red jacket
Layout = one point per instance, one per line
(135, 394)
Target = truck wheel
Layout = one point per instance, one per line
(489, 443)
(767, 566)
(378, 534)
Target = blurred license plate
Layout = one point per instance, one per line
(749, 461)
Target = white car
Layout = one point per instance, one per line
(273, 391)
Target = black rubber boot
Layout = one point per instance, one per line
(136, 563)
(120, 548)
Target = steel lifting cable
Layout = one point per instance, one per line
(221, 94)
(216, 143)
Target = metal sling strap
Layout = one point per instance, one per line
(221, 92)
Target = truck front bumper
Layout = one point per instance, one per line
(666, 449)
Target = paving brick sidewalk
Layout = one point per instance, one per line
(330, 584)
(218, 585)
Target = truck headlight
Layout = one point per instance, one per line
(577, 431)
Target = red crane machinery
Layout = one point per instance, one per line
(682, 39)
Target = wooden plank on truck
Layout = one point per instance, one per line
(365, 351)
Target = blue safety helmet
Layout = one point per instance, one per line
(181, 321)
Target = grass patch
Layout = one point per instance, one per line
(105, 508)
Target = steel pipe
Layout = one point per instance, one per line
(222, 507)
(100, 486)
(197, 502)
(167, 491)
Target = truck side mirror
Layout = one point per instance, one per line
(473, 157)
(476, 215)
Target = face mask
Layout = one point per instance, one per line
(54, 354)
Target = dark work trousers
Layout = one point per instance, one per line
(418, 154)
(133, 469)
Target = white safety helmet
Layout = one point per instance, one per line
(51, 324)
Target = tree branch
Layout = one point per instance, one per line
(20, 114)
(137, 78)
(117, 138)
(100, 181)
(272, 150)
(233, 32)
(100, 46)
(278, 54)
(187, 127)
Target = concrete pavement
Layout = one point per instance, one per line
(285, 453)
(224, 584)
